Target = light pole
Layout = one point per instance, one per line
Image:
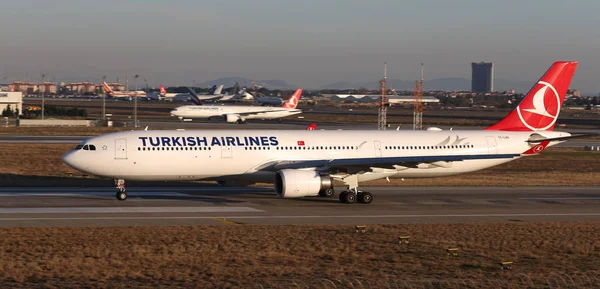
(135, 120)
(103, 98)
(43, 99)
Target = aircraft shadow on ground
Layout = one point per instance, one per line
(136, 188)
(15, 180)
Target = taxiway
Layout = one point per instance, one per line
(153, 206)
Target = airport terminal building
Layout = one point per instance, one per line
(12, 99)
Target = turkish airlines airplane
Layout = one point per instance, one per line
(305, 163)
(239, 113)
(117, 94)
(170, 95)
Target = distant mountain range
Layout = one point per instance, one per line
(446, 84)
(242, 81)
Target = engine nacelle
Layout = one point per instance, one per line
(297, 183)
(233, 118)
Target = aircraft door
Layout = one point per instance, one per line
(377, 148)
(226, 152)
(120, 149)
(491, 143)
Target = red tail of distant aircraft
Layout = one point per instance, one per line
(292, 102)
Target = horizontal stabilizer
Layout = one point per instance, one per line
(562, 138)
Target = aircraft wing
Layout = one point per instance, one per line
(209, 97)
(382, 162)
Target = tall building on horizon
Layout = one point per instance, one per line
(482, 76)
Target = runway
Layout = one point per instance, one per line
(153, 206)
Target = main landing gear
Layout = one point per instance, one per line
(327, 193)
(353, 196)
(121, 191)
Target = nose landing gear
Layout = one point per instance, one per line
(121, 191)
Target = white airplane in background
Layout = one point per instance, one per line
(213, 92)
(122, 94)
(218, 97)
(239, 113)
(262, 100)
(164, 95)
(305, 163)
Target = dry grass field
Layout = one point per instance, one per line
(545, 255)
(41, 165)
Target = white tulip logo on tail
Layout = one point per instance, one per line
(293, 100)
(541, 111)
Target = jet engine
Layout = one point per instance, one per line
(234, 118)
(298, 183)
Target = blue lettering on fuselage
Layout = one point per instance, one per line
(176, 141)
(191, 141)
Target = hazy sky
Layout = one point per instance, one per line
(307, 43)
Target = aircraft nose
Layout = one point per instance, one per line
(174, 112)
(71, 159)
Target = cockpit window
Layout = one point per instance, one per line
(78, 147)
(86, 147)
(92, 147)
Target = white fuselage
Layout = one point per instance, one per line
(243, 111)
(196, 155)
(174, 95)
(127, 93)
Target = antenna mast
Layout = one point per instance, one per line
(383, 102)
(418, 102)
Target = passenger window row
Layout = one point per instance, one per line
(257, 148)
(247, 148)
(428, 147)
(317, 148)
(174, 149)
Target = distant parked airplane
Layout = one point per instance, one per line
(122, 94)
(239, 113)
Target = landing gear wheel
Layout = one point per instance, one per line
(349, 197)
(121, 191)
(122, 196)
(329, 192)
(365, 197)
